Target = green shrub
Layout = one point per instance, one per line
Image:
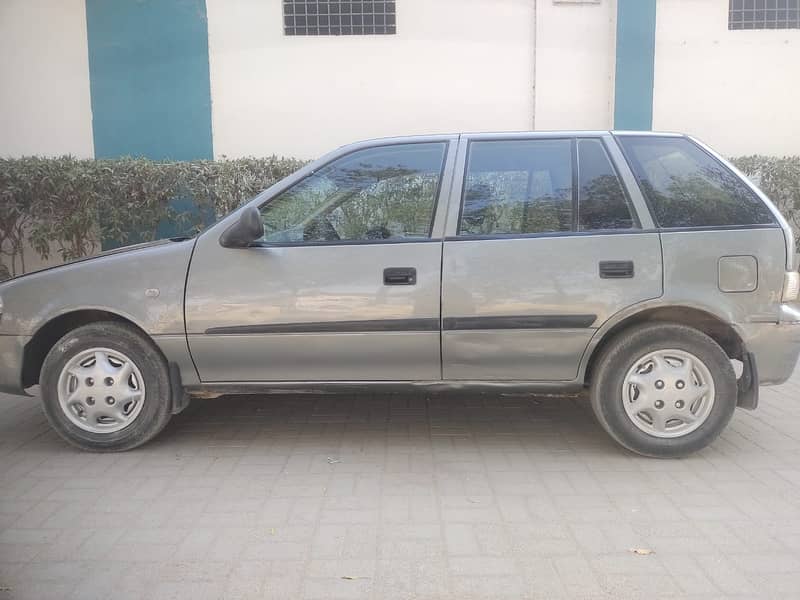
(68, 205)
(779, 178)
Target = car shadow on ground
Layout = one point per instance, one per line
(439, 423)
(543, 427)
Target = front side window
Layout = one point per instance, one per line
(517, 187)
(687, 187)
(384, 193)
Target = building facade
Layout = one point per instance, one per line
(188, 79)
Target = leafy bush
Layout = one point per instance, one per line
(779, 178)
(67, 206)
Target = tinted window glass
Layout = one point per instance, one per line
(686, 187)
(602, 203)
(516, 187)
(376, 194)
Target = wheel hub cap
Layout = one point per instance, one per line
(101, 390)
(668, 393)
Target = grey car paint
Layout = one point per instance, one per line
(561, 277)
(690, 267)
(738, 273)
(312, 284)
(144, 284)
(228, 287)
(118, 280)
(288, 284)
(552, 274)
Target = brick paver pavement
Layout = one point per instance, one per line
(399, 496)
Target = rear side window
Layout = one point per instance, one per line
(534, 186)
(687, 187)
(518, 186)
(602, 203)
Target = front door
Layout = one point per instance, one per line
(345, 284)
(545, 246)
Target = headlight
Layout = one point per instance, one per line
(791, 287)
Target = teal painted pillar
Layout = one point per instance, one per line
(636, 45)
(150, 87)
(149, 78)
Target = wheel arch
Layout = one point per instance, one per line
(57, 327)
(703, 320)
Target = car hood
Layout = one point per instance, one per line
(143, 284)
(100, 255)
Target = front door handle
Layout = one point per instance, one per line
(400, 276)
(616, 269)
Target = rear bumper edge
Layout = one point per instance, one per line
(775, 346)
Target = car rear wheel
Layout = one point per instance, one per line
(663, 390)
(105, 387)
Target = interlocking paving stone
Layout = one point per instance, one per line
(408, 496)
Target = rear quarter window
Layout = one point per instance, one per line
(687, 187)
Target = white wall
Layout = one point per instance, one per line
(45, 107)
(575, 56)
(454, 65)
(739, 91)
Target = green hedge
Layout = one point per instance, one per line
(68, 205)
(779, 178)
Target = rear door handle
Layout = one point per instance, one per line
(616, 269)
(400, 276)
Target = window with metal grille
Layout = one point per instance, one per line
(764, 14)
(337, 17)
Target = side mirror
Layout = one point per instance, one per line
(246, 230)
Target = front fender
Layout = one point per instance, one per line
(145, 286)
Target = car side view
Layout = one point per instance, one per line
(641, 266)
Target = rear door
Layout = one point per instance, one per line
(543, 244)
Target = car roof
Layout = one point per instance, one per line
(429, 137)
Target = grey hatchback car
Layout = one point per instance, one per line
(641, 266)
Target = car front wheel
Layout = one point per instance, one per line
(105, 387)
(664, 390)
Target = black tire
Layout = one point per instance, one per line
(156, 406)
(620, 355)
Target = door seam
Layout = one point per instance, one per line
(441, 257)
